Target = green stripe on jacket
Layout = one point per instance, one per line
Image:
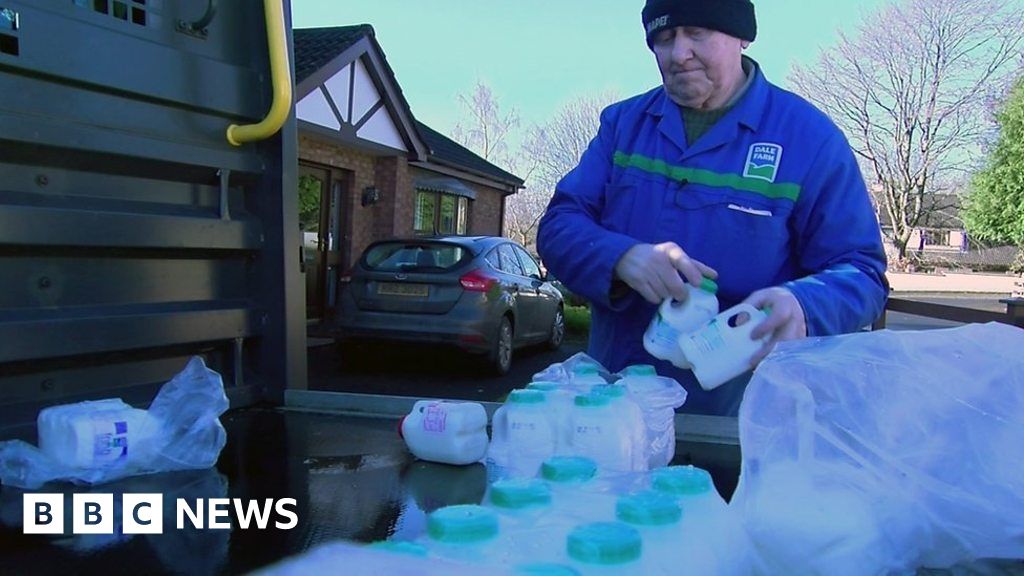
(707, 177)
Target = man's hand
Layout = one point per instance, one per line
(654, 271)
(785, 320)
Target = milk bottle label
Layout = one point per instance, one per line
(434, 418)
(709, 339)
(662, 333)
(531, 433)
(110, 439)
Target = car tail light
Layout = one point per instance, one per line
(346, 276)
(477, 281)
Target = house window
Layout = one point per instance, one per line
(936, 238)
(425, 217)
(462, 215)
(439, 213)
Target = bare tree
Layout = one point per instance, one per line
(545, 154)
(486, 129)
(522, 213)
(910, 88)
(548, 152)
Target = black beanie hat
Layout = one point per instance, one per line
(732, 17)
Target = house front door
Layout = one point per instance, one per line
(319, 222)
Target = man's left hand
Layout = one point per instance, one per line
(785, 320)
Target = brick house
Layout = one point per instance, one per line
(941, 241)
(368, 170)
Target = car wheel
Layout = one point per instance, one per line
(500, 358)
(557, 330)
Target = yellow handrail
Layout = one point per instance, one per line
(281, 78)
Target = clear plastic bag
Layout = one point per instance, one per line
(180, 431)
(882, 452)
(658, 397)
(563, 372)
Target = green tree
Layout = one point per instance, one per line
(309, 203)
(994, 211)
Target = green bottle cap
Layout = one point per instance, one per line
(681, 480)
(639, 370)
(568, 469)
(648, 508)
(400, 547)
(462, 524)
(592, 400)
(604, 543)
(526, 397)
(519, 493)
(708, 285)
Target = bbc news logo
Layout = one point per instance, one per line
(144, 513)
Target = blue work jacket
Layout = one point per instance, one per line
(771, 195)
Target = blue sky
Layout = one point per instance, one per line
(539, 54)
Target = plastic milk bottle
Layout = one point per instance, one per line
(446, 432)
(674, 319)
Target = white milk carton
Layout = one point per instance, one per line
(605, 432)
(524, 432)
(95, 434)
(446, 432)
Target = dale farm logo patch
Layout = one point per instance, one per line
(763, 161)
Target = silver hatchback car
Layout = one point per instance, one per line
(484, 294)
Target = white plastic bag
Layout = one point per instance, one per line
(881, 452)
(180, 431)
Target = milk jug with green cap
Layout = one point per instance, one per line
(529, 526)
(464, 533)
(658, 518)
(576, 492)
(585, 376)
(631, 418)
(692, 487)
(674, 319)
(524, 432)
(603, 433)
(722, 349)
(605, 548)
(720, 547)
(560, 400)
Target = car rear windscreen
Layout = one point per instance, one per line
(406, 257)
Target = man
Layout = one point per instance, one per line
(715, 173)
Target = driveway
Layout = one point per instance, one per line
(417, 370)
(430, 371)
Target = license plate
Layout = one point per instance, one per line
(409, 290)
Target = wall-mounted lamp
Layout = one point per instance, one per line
(370, 196)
